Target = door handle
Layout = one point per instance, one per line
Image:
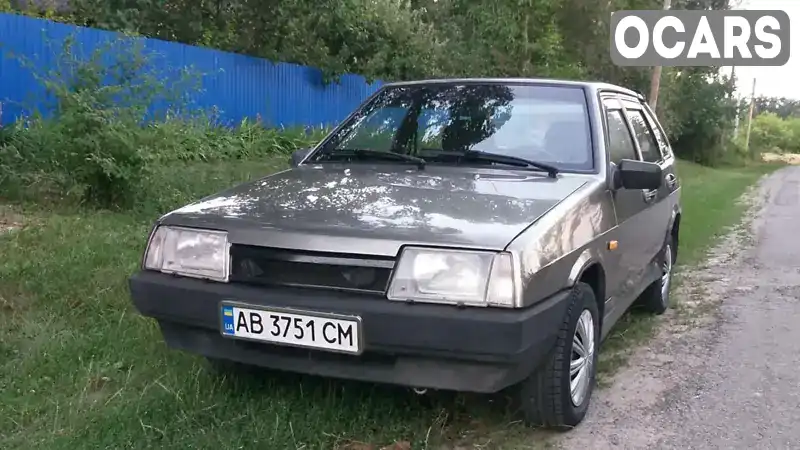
(671, 180)
(649, 196)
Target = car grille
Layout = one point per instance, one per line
(279, 267)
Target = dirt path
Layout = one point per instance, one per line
(723, 369)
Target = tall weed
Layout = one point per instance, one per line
(202, 139)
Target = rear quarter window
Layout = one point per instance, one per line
(620, 142)
(655, 125)
(644, 135)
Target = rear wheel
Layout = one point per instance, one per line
(557, 394)
(655, 299)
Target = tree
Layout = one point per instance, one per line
(378, 38)
(404, 39)
(781, 106)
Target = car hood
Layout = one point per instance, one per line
(373, 209)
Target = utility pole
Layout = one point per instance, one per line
(732, 87)
(750, 117)
(655, 81)
(736, 122)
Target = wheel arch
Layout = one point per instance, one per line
(589, 269)
(673, 231)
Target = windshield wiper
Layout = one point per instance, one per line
(366, 153)
(479, 155)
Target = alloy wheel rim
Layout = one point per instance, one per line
(582, 359)
(666, 271)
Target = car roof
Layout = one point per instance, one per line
(592, 85)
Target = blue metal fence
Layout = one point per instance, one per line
(236, 86)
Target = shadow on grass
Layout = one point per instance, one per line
(453, 419)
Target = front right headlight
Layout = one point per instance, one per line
(189, 252)
(470, 278)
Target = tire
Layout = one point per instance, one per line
(545, 398)
(655, 299)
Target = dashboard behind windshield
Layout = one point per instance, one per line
(549, 124)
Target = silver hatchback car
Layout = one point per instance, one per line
(470, 234)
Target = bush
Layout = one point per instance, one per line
(201, 139)
(793, 127)
(105, 134)
(734, 154)
(93, 142)
(84, 150)
(698, 115)
(769, 133)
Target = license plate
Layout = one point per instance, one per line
(330, 332)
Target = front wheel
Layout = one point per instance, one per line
(557, 394)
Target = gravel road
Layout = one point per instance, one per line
(723, 370)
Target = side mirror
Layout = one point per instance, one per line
(298, 155)
(633, 174)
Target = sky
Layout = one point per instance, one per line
(781, 81)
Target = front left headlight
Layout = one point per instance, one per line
(189, 252)
(471, 278)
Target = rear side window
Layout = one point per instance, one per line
(620, 143)
(647, 142)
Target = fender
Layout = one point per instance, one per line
(587, 257)
(676, 211)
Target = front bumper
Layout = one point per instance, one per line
(419, 345)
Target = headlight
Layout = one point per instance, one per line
(189, 252)
(473, 278)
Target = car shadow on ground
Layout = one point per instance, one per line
(449, 419)
(455, 419)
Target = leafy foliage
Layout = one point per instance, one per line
(403, 39)
(105, 136)
(770, 133)
(381, 39)
(201, 139)
(698, 112)
(781, 106)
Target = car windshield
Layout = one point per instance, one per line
(439, 122)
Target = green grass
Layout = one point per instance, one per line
(709, 205)
(79, 369)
